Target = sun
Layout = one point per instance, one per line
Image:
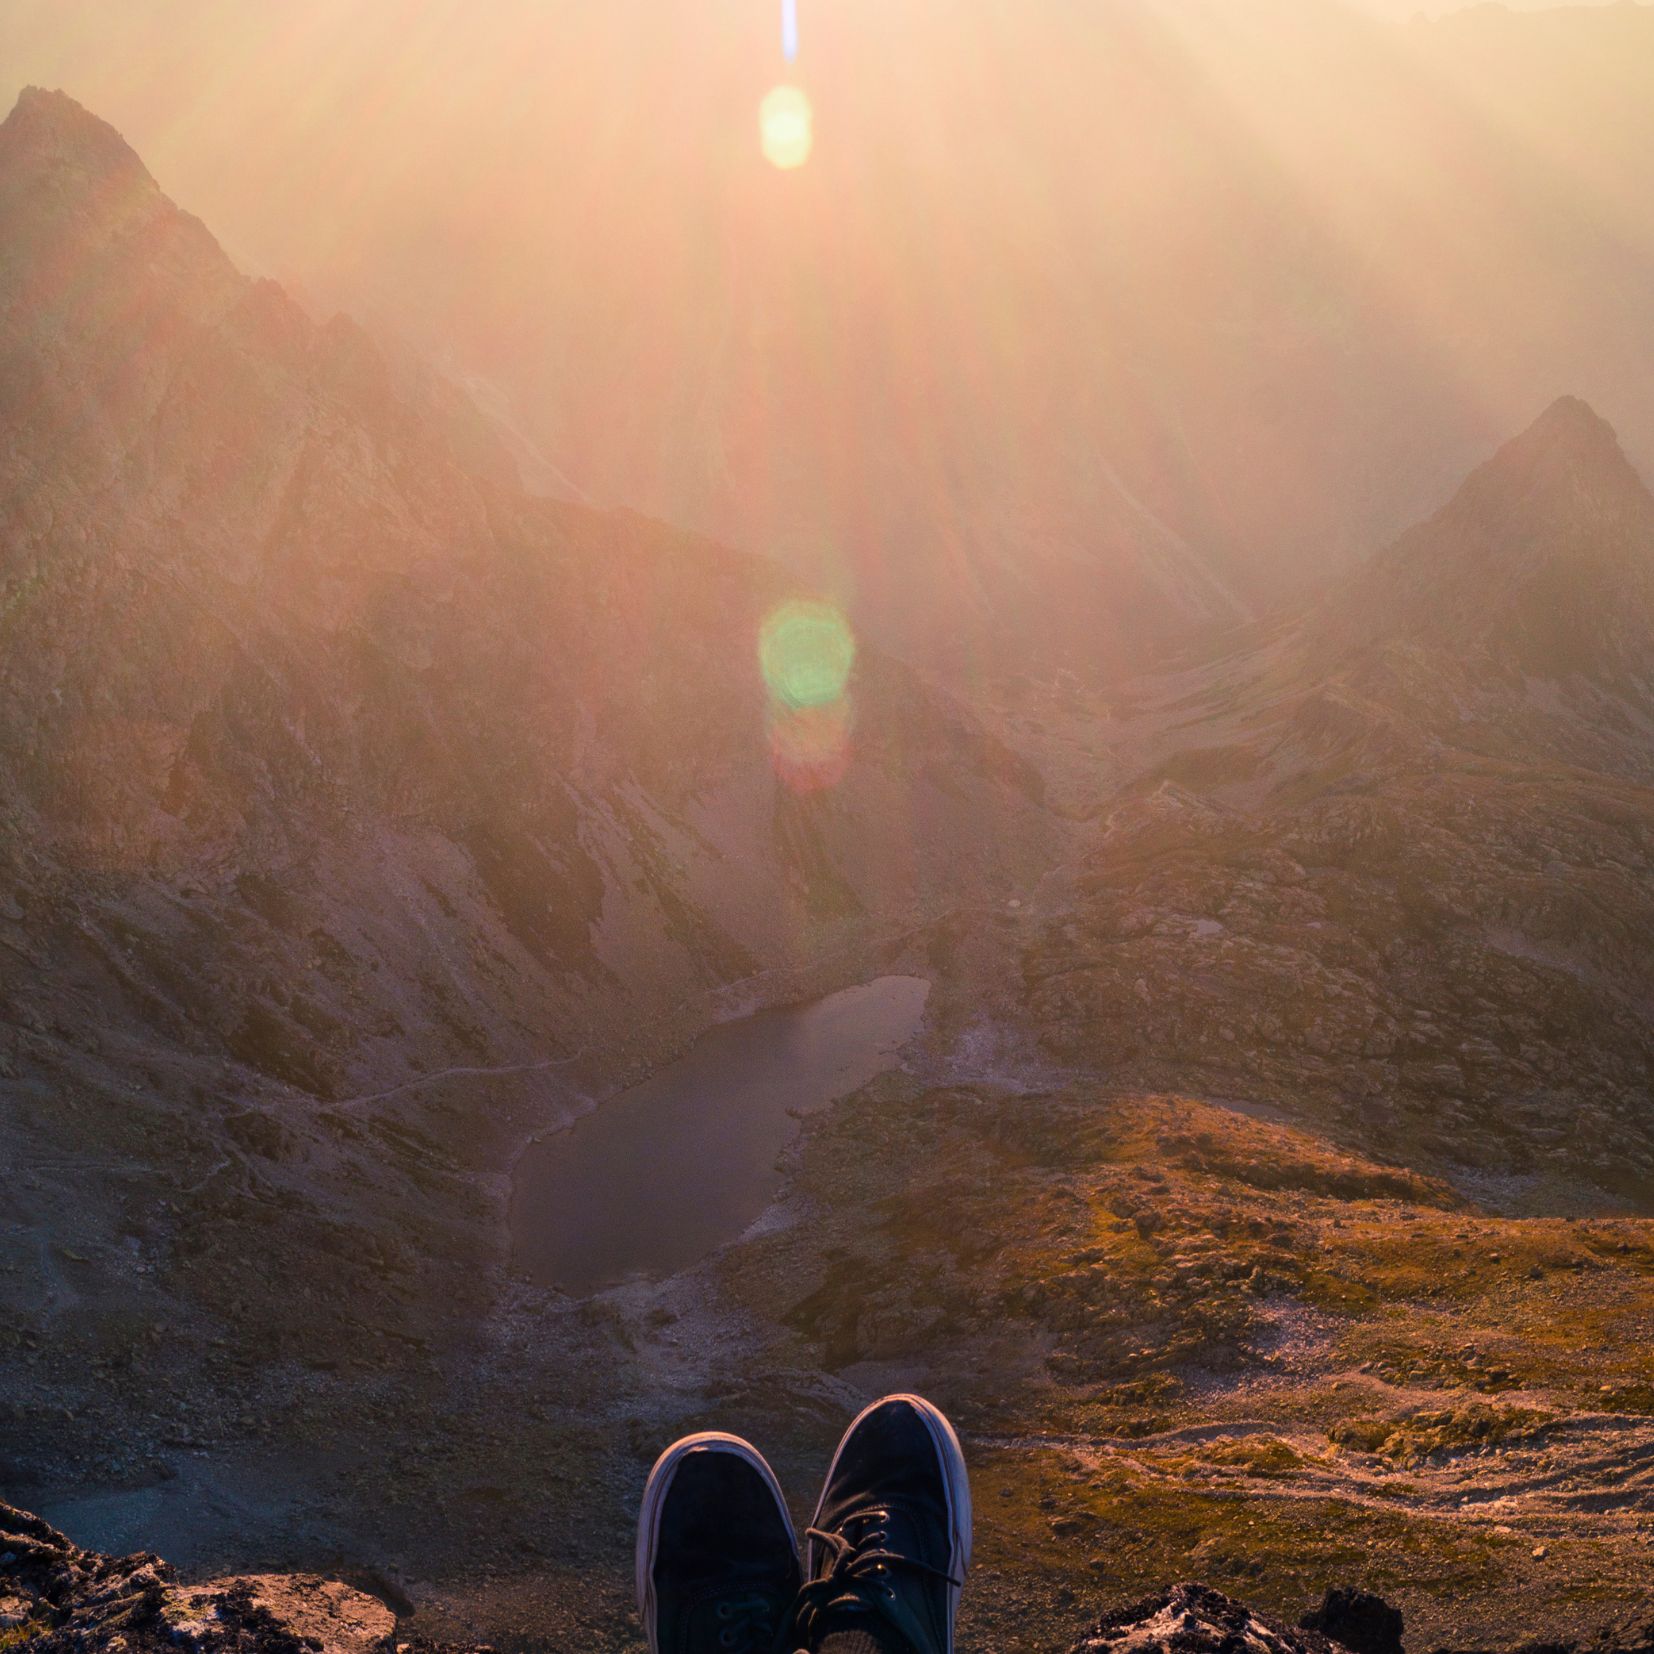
(784, 127)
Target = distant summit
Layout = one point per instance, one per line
(60, 156)
(82, 219)
(1543, 561)
(52, 122)
(1567, 417)
(1568, 452)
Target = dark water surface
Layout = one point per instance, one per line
(657, 1177)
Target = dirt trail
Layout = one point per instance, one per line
(1572, 1474)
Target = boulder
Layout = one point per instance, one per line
(1195, 1619)
(1362, 1622)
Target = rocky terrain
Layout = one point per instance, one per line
(362, 814)
(56, 1596)
(1392, 864)
(363, 817)
(1265, 1193)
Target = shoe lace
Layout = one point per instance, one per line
(747, 1624)
(859, 1574)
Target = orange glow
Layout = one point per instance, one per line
(1076, 317)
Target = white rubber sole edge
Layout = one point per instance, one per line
(654, 1500)
(955, 1477)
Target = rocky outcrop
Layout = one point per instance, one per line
(1360, 1621)
(56, 1598)
(1540, 564)
(1195, 1619)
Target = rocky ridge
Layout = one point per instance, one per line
(1391, 863)
(346, 785)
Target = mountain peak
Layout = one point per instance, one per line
(73, 191)
(1572, 415)
(1569, 431)
(1544, 558)
(1551, 491)
(53, 127)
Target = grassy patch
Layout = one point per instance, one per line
(1438, 1432)
(1131, 1533)
(1263, 1456)
(1117, 1241)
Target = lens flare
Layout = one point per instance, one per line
(785, 123)
(810, 745)
(806, 650)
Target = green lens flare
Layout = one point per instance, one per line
(806, 650)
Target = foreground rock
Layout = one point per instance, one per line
(55, 1596)
(1363, 1623)
(1195, 1619)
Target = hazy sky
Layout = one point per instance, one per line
(1013, 275)
(1435, 8)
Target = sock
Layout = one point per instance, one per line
(853, 1642)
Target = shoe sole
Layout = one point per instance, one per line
(654, 1501)
(955, 1478)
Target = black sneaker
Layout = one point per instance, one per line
(891, 1539)
(717, 1561)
